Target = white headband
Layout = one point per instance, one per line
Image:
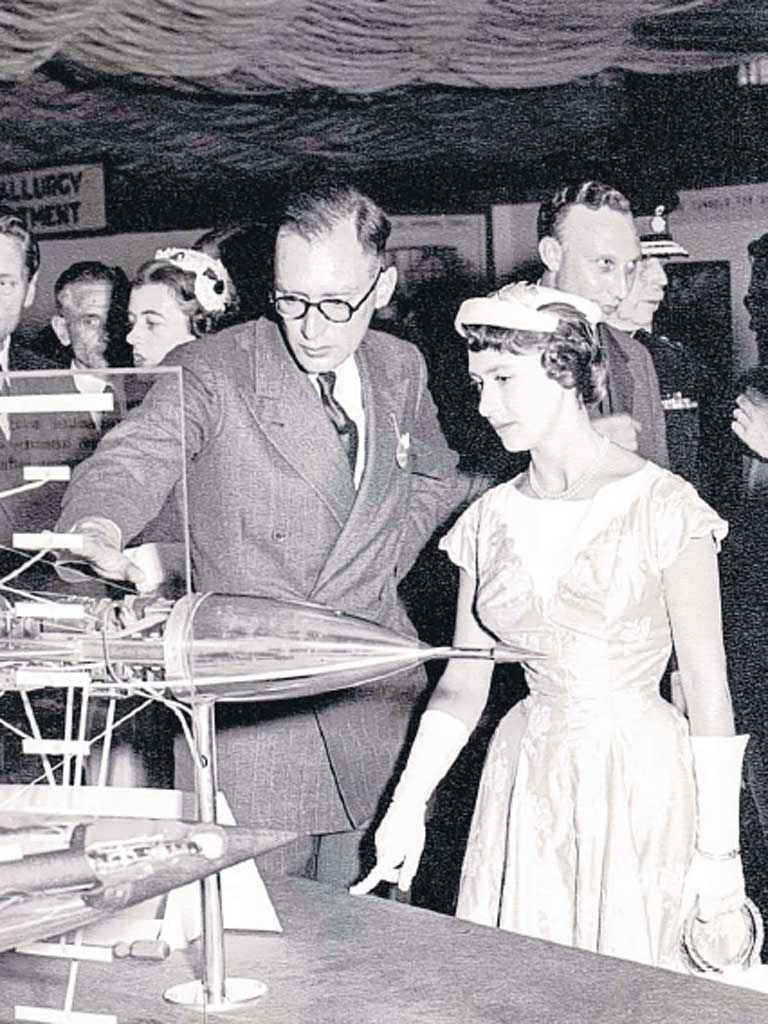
(213, 285)
(517, 307)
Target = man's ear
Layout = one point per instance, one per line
(551, 253)
(59, 325)
(385, 287)
(29, 297)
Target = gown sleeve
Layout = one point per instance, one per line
(461, 542)
(679, 515)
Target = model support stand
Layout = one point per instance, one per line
(69, 748)
(214, 992)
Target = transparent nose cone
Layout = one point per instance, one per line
(239, 647)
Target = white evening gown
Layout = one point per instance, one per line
(584, 824)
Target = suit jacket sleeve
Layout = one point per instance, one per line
(653, 447)
(137, 464)
(437, 487)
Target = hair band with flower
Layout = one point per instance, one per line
(517, 307)
(213, 285)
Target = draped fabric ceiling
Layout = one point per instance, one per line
(234, 89)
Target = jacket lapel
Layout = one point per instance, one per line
(286, 406)
(384, 390)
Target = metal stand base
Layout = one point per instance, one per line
(238, 992)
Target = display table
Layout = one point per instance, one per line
(363, 960)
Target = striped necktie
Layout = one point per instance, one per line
(345, 426)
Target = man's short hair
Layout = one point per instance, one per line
(593, 194)
(89, 272)
(318, 207)
(14, 226)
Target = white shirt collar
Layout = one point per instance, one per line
(87, 383)
(5, 350)
(346, 372)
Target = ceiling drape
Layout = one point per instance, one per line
(366, 46)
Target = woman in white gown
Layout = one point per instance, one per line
(603, 814)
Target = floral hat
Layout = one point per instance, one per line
(213, 285)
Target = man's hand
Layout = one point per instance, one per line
(102, 549)
(750, 423)
(621, 429)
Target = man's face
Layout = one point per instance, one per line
(637, 310)
(756, 299)
(85, 315)
(16, 290)
(333, 265)
(595, 255)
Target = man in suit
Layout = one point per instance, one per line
(589, 246)
(756, 299)
(674, 368)
(316, 471)
(55, 437)
(19, 265)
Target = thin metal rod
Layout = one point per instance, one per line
(106, 746)
(204, 729)
(82, 731)
(28, 710)
(68, 716)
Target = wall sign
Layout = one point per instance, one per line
(57, 200)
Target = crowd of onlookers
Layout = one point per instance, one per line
(275, 505)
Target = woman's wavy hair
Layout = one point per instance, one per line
(182, 285)
(570, 355)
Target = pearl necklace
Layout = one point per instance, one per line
(577, 485)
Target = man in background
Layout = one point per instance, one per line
(86, 297)
(750, 416)
(91, 307)
(589, 245)
(19, 265)
(674, 369)
(89, 323)
(756, 299)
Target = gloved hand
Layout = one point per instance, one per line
(716, 877)
(399, 845)
(400, 837)
(715, 885)
(101, 548)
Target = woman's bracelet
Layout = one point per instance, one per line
(728, 855)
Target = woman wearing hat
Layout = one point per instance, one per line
(603, 814)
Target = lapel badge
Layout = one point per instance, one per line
(403, 447)
(403, 444)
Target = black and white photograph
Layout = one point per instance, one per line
(383, 512)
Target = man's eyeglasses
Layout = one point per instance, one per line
(338, 311)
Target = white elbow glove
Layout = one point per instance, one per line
(716, 877)
(401, 834)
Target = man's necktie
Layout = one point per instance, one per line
(603, 336)
(345, 427)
